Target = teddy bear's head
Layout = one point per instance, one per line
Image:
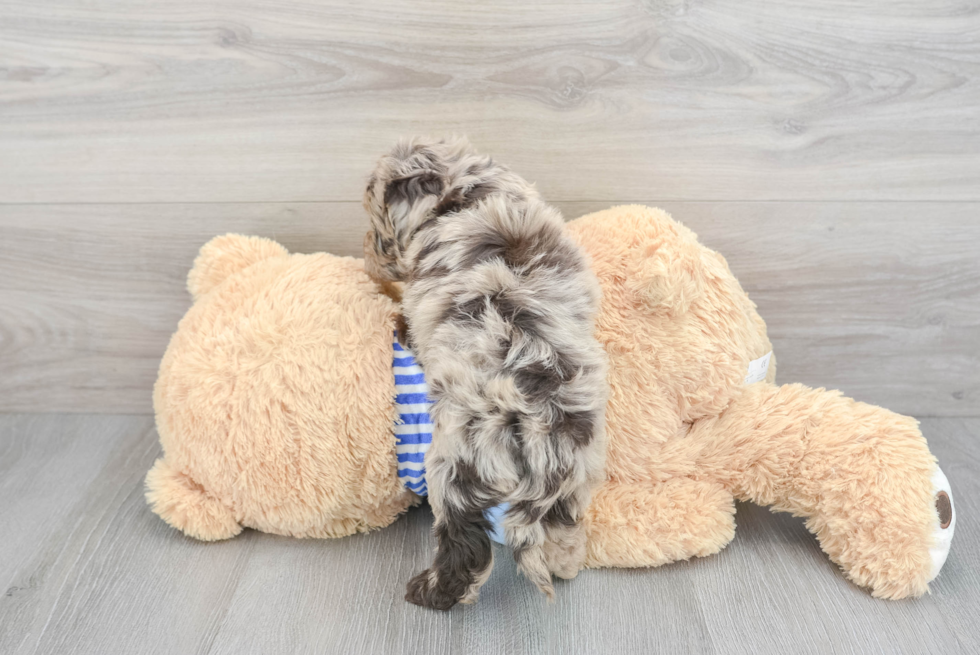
(275, 396)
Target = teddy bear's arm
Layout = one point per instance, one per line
(634, 524)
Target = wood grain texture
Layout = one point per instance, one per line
(881, 300)
(257, 100)
(108, 579)
(101, 574)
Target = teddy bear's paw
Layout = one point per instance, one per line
(187, 506)
(945, 522)
(427, 590)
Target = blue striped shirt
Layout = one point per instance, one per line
(413, 427)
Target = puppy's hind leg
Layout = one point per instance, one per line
(564, 547)
(526, 535)
(464, 557)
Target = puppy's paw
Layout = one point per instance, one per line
(424, 590)
(549, 592)
(563, 561)
(565, 555)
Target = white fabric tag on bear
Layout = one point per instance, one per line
(758, 369)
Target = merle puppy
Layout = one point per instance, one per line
(499, 303)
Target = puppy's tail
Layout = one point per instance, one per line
(185, 505)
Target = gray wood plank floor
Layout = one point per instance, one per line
(86, 568)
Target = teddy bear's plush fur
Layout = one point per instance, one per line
(275, 410)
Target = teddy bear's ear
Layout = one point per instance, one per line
(669, 275)
(226, 255)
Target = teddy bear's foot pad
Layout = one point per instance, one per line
(945, 522)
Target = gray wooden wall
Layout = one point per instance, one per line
(833, 157)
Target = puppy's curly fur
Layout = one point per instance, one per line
(499, 305)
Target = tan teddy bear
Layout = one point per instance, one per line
(275, 408)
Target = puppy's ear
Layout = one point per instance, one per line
(410, 199)
(410, 189)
